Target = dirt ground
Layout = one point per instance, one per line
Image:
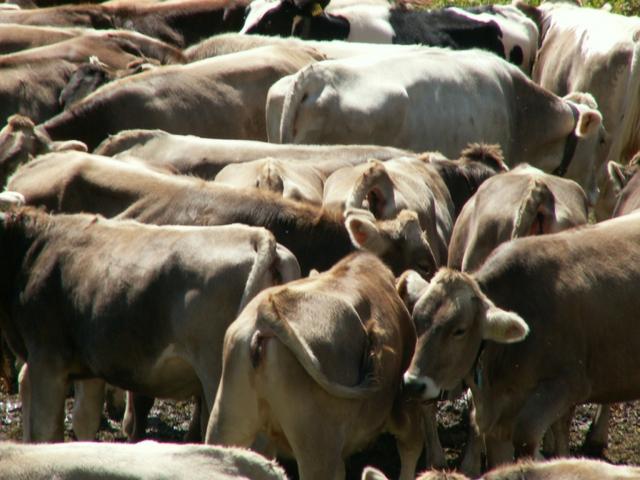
(169, 421)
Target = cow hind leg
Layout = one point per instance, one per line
(87, 408)
(234, 417)
(44, 389)
(597, 436)
(137, 408)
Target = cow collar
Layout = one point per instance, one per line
(570, 144)
(477, 368)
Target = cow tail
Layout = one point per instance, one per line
(270, 177)
(374, 178)
(263, 263)
(627, 140)
(298, 91)
(536, 201)
(270, 319)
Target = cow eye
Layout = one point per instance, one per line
(459, 332)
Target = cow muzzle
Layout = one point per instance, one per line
(422, 387)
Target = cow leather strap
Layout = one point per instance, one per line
(477, 372)
(570, 144)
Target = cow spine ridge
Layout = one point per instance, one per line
(537, 195)
(627, 140)
(270, 319)
(305, 80)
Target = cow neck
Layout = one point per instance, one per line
(570, 144)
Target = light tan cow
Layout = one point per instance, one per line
(524, 201)
(205, 157)
(559, 469)
(596, 51)
(437, 99)
(143, 461)
(316, 365)
(292, 179)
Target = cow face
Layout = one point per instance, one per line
(452, 318)
(266, 17)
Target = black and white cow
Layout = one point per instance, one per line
(502, 29)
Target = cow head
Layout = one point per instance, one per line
(591, 144)
(20, 140)
(452, 318)
(282, 17)
(399, 242)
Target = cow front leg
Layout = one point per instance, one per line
(433, 448)
(407, 424)
(44, 390)
(87, 408)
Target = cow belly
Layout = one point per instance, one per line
(171, 376)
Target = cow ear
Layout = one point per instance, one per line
(616, 174)
(77, 145)
(371, 473)
(589, 122)
(364, 231)
(503, 326)
(410, 286)
(10, 199)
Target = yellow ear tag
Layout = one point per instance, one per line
(316, 10)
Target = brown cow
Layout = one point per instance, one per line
(220, 97)
(75, 182)
(117, 49)
(625, 181)
(524, 201)
(386, 188)
(474, 327)
(317, 365)
(179, 22)
(463, 176)
(141, 306)
(19, 141)
(24, 90)
(15, 37)
(205, 157)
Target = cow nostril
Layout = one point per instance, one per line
(416, 388)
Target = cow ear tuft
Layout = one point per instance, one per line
(364, 232)
(410, 286)
(371, 473)
(589, 122)
(504, 327)
(617, 175)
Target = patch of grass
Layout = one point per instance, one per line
(624, 7)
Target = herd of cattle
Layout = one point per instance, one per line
(317, 220)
